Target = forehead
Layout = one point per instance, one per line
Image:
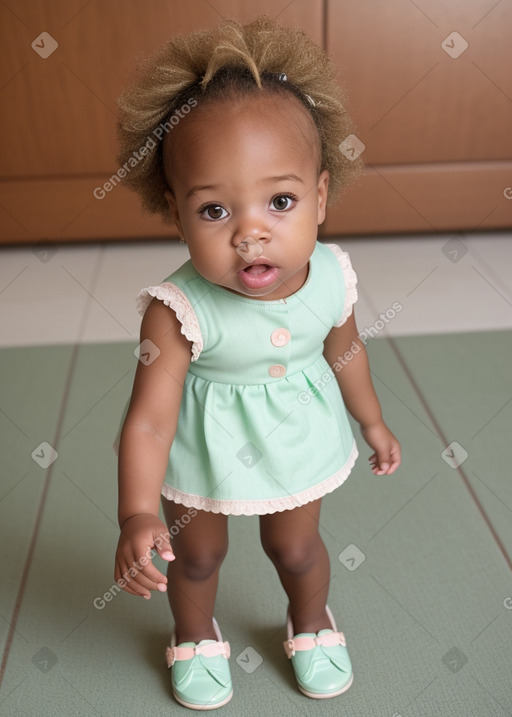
(254, 130)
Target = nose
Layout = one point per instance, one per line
(250, 230)
(249, 240)
(249, 249)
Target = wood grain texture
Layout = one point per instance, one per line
(58, 114)
(425, 198)
(410, 99)
(436, 128)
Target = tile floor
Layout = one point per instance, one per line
(421, 561)
(85, 293)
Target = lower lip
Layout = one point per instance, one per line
(259, 281)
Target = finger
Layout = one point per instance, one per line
(377, 470)
(152, 576)
(147, 573)
(142, 580)
(149, 578)
(164, 548)
(374, 465)
(128, 584)
(396, 459)
(392, 468)
(127, 589)
(141, 588)
(380, 463)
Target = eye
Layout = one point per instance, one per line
(212, 212)
(283, 201)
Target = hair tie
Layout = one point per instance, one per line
(283, 78)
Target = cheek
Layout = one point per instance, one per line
(207, 259)
(309, 218)
(309, 209)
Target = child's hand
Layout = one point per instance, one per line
(387, 456)
(139, 535)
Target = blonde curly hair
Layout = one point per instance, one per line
(230, 60)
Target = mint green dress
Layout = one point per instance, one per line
(262, 424)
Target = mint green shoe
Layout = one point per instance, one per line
(201, 679)
(320, 661)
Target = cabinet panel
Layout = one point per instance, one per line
(58, 113)
(425, 198)
(434, 115)
(430, 90)
(411, 100)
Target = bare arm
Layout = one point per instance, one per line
(346, 355)
(152, 417)
(146, 438)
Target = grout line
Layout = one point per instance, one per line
(441, 434)
(42, 501)
(392, 343)
(38, 520)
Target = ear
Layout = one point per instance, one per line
(173, 208)
(323, 187)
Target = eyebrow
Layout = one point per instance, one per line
(280, 178)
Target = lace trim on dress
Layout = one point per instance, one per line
(262, 507)
(173, 297)
(350, 281)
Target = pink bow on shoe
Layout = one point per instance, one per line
(212, 649)
(330, 639)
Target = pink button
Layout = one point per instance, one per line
(280, 337)
(277, 370)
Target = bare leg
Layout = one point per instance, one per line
(199, 540)
(293, 543)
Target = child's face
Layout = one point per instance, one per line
(248, 171)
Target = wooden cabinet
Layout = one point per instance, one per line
(430, 90)
(436, 127)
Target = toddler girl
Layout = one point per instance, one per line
(238, 405)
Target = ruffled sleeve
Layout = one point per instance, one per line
(175, 299)
(350, 282)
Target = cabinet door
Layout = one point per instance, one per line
(430, 90)
(64, 64)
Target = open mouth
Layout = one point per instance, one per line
(257, 276)
(257, 268)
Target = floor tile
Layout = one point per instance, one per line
(87, 293)
(424, 610)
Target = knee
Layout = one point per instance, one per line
(201, 565)
(293, 556)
